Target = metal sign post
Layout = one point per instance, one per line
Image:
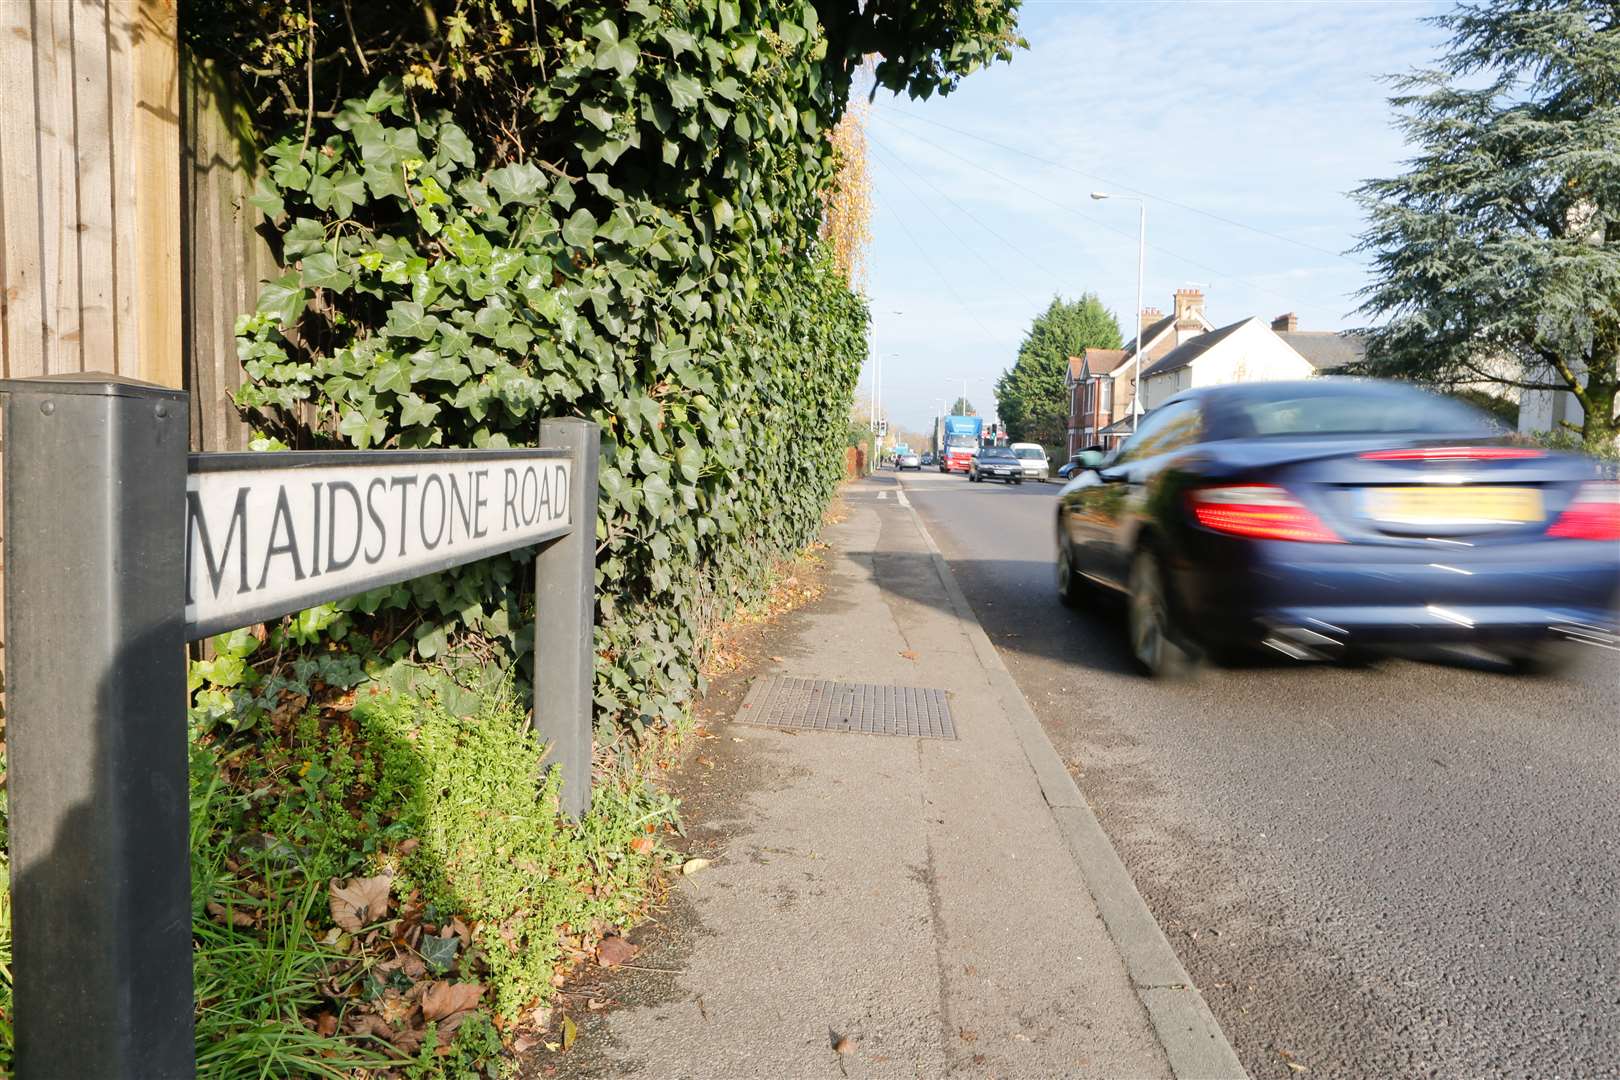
(121, 547)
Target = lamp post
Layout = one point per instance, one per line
(1141, 259)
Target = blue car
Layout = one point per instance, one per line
(1325, 517)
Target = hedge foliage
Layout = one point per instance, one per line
(613, 214)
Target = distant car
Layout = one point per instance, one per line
(1032, 456)
(996, 463)
(928, 457)
(1090, 458)
(907, 461)
(1320, 518)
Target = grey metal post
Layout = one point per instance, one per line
(565, 619)
(95, 469)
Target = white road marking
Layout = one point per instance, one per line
(900, 497)
(883, 495)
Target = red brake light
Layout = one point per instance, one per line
(1454, 453)
(1262, 511)
(1594, 515)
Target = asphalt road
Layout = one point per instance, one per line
(1411, 869)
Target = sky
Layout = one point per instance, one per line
(1264, 114)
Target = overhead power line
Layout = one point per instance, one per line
(1117, 184)
(932, 265)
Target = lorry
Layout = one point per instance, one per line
(962, 434)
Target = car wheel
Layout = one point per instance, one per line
(1154, 642)
(1071, 586)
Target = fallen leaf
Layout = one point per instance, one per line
(408, 846)
(439, 953)
(596, 1005)
(234, 916)
(842, 1044)
(642, 845)
(570, 1032)
(613, 951)
(361, 901)
(778, 659)
(445, 999)
(540, 1016)
(908, 654)
(460, 929)
(692, 866)
(326, 1025)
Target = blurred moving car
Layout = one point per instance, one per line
(996, 463)
(1318, 518)
(1089, 458)
(1032, 456)
(908, 460)
(928, 457)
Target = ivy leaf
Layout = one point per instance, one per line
(721, 211)
(678, 40)
(620, 56)
(407, 319)
(414, 411)
(579, 228)
(598, 116)
(684, 91)
(360, 431)
(455, 146)
(320, 271)
(267, 198)
(282, 300)
(521, 183)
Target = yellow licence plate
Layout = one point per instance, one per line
(1482, 505)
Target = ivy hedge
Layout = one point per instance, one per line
(607, 210)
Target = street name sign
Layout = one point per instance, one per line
(267, 534)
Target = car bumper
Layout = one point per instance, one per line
(1358, 595)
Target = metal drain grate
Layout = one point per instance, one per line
(783, 701)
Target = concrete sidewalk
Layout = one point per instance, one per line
(944, 906)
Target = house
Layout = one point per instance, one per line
(1249, 350)
(1101, 382)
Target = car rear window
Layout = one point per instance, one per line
(1028, 452)
(997, 455)
(1338, 411)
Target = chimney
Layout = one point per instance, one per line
(1189, 309)
(1150, 315)
(1285, 323)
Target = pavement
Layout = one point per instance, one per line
(1410, 869)
(886, 906)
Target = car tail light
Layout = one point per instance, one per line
(1455, 453)
(1594, 515)
(1262, 511)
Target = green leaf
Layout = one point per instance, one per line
(579, 228)
(414, 411)
(620, 56)
(407, 319)
(684, 91)
(521, 183)
(267, 198)
(282, 300)
(320, 271)
(597, 116)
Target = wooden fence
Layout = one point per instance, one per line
(126, 241)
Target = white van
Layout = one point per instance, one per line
(1033, 458)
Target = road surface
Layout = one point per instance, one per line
(1406, 870)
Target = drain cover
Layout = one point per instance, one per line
(783, 701)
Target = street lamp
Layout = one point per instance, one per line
(877, 373)
(1141, 259)
(965, 381)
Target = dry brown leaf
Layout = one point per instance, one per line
(326, 1025)
(359, 902)
(908, 654)
(613, 951)
(642, 845)
(408, 846)
(460, 929)
(444, 999)
(596, 1004)
(234, 916)
(692, 866)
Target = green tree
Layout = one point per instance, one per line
(1031, 397)
(1496, 255)
(963, 407)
